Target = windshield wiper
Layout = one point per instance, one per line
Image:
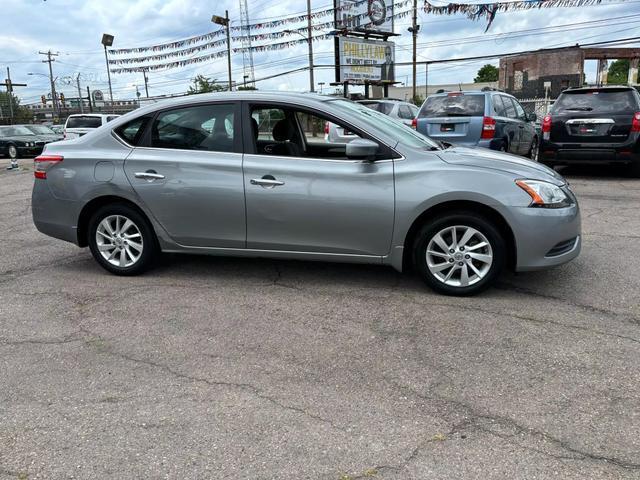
(580, 109)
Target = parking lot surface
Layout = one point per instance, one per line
(237, 368)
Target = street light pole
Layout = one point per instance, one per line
(107, 41)
(224, 21)
(146, 82)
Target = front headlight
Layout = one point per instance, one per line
(544, 194)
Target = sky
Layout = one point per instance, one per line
(73, 29)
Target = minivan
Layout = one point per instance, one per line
(490, 119)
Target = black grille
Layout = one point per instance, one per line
(562, 247)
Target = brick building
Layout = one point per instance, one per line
(524, 76)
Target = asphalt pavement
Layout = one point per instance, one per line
(258, 369)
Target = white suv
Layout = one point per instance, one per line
(81, 124)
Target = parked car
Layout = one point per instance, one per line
(45, 133)
(81, 124)
(199, 175)
(593, 125)
(59, 129)
(489, 119)
(18, 141)
(404, 112)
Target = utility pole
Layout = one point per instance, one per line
(79, 93)
(54, 97)
(224, 21)
(414, 33)
(89, 99)
(146, 82)
(310, 42)
(9, 86)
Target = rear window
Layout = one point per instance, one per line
(84, 122)
(453, 106)
(596, 101)
(379, 107)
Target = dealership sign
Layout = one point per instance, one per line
(376, 15)
(365, 61)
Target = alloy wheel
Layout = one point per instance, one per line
(13, 152)
(119, 241)
(459, 256)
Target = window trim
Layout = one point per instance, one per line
(390, 154)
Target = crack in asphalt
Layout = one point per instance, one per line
(475, 419)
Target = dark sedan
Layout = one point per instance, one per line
(18, 141)
(45, 133)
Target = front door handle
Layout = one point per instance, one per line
(149, 175)
(267, 181)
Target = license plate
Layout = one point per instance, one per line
(447, 127)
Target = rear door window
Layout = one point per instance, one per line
(498, 106)
(453, 105)
(84, 121)
(404, 112)
(381, 107)
(199, 127)
(132, 131)
(621, 101)
(519, 110)
(509, 107)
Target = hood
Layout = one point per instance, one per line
(22, 138)
(518, 166)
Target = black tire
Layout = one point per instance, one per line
(534, 150)
(504, 147)
(465, 219)
(150, 250)
(634, 169)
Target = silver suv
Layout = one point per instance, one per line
(249, 174)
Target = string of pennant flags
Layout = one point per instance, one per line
(488, 11)
(138, 64)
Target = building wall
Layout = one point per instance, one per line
(405, 93)
(524, 76)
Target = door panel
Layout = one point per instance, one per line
(329, 206)
(200, 200)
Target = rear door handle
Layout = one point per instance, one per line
(266, 182)
(149, 175)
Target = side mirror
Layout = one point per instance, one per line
(532, 117)
(361, 148)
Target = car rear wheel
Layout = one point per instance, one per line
(459, 254)
(534, 150)
(122, 240)
(13, 152)
(504, 147)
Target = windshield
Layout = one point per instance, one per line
(14, 131)
(41, 129)
(84, 122)
(596, 101)
(453, 105)
(378, 121)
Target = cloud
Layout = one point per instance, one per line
(74, 28)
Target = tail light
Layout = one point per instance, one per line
(635, 123)
(43, 163)
(488, 127)
(414, 123)
(546, 127)
(326, 128)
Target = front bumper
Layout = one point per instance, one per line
(546, 237)
(30, 151)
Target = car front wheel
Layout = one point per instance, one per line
(122, 240)
(13, 152)
(459, 254)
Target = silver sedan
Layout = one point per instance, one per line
(250, 174)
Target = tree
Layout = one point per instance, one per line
(202, 84)
(618, 73)
(488, 73)
(20, 114)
